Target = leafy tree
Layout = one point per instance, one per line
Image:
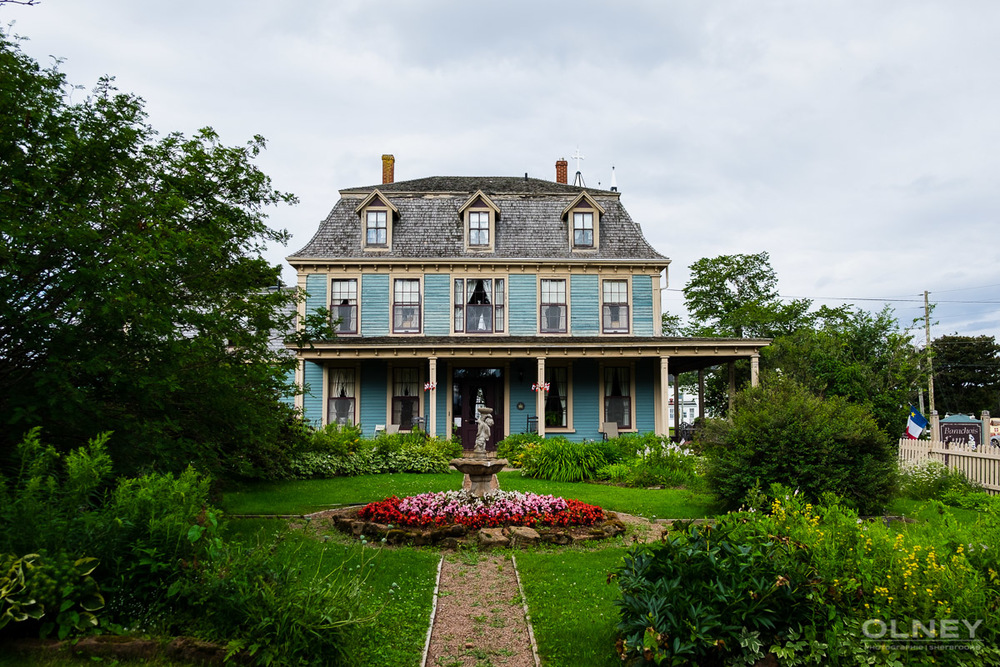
(737, 296)
(783, 433)
(133, 294)
(966, 374)
(861, 356)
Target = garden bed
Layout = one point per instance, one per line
(452, 536)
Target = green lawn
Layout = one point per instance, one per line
(305, 496)
(572, 605)
(313, 495)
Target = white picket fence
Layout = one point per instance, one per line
(981, 465)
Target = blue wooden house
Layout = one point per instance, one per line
(538, 299)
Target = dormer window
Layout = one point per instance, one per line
(583, 216)
(376, 229)
(479, 228)
(376, 213)
(479, 215)
(583, 229)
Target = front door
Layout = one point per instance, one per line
(474, 388)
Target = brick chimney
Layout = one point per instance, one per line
(562, 171)
(388, 169)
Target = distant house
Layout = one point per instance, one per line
(538, 299)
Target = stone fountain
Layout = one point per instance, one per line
(479, 469)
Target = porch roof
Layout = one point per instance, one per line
(685, 354)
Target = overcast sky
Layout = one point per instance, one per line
(855, 141)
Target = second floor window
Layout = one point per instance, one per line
(479, 228)
(583, 230)
(376, 230)
(344, 305)
(614, 317)
(406, 306)
(553, 306)
(479, 305)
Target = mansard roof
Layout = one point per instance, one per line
(429, 224)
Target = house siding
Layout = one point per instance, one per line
(520, 391)
(642, 305)
(523, 302)
(373, 396)
(375, 305)
(288, 397)
(437, 305)
(316, 290)
(312, 400)
(586, 400)
(645, 418)
(585, 305)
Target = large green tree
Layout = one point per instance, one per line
(966, 374)
(737, 296)
(133, 292)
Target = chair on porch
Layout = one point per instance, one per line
(532, 425)
(391, 429)
(609, 430)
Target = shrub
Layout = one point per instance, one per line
(780, 433)
(562, 460)
(512, 447)
(932, 479)
(402, 452)
(335, 439)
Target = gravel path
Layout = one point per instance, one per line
(480, 615)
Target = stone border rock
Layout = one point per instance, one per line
(455, 535)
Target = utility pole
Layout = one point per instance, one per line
(927, 347)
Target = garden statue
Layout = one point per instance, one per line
(484, 430)
(480, 471)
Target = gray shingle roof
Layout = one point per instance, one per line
(530, 225)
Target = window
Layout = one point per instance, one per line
(553, 306)
(479, 305)
(556, 410)
(615, 310)
(405, 397)
(406, 306)
(376, 230)
(344, 305)
(479, 228)
(583, 230)
(341, 403)
(618, 396)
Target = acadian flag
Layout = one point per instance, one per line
(916, 424)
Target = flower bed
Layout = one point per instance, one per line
(496, 508)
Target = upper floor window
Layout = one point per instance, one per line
(553, 306)
(479, 305)
(583, 217)
(344, 305)
(479, 214)
(406, 305)
(479, 228)
(583, 229)
(376, 228)
(377, 214)
(614, 316)
(342, 404)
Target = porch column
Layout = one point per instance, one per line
(432, 376)
(540, 398)
(665, 394)
(701, 393)
(732, 387)
(754, 370)
(677, 406)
